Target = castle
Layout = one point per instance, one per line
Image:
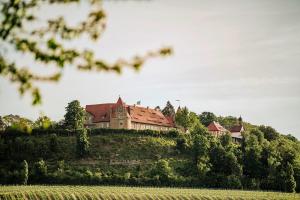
(121, 116)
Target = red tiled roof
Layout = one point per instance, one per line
(149, 116)
(215, 126)
(101, 113)
(237, 128)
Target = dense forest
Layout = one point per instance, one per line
(45, 152)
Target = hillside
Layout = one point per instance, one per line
(151, 158)
(109, 154)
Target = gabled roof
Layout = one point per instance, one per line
(102, 112)
(237, 128)
(149, 116)
(215, 126)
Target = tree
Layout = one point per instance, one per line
(252, 156)
(24, 173)
(18, 123)
(82, 145)
(47, 42)
(290, 182)
(75, 115)
(201, 158)
(228, 121)
(40, 170)
(53, 143)
(43, 122)
(181, 143)
(182, 118)
(269, 132)
(199, 129)
(163, 170)
(186, 119)
(169, 110)
(207, 117)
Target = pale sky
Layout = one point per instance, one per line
(231, 57)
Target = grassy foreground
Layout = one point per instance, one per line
(104, 192)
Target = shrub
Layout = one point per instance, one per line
(24, 173)
(181, 144)
(233, 182)
(53, 143)
(82, 145)
(40, 171)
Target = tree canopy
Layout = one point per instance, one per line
(75, 115)
(169, 110)
(207, 117)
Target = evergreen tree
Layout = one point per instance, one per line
(82, 145)
(24, 173)
(290, 183)
(75, 115)
(169, 110)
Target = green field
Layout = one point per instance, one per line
(103, 192)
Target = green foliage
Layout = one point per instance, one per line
(17, 123)
(45, 43)
(182, 143)
(40, 170)
(228, 121)
(43, 122)
(186, 119)
(24, 173)
(200, 148)
(127, 157)
(75, 115)
(207, 117)
(82, 144)
(53, 143)
(182, 118)
(199, 129)
(169, 110)
(290, 182)
(269, 132)
(252, 156)
(162, 170)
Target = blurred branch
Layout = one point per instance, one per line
(42, 43)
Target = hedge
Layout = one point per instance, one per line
(98, 131)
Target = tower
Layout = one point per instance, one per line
(119, 117)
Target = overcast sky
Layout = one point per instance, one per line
(231, 58)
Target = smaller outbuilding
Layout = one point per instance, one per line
(236, 133)
(216, 129)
